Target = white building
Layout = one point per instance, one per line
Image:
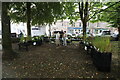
(98, 27)
(77, 27)
(22, 27)
(64, 25)
(38, 30)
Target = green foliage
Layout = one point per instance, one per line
(42, 36)
(69, 39)
(69, 11)
(17, 12)
(102, 43)
(110, 15)
(42, 13)
(22, 39)
(52, 36)
(28, 38)
(69, 36)
(79, 37)
(15, 40)
(95, 7)
(46, 13)
(36, 38)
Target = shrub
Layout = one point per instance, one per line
(42, 36)
(15, 40)
(52, 36)
(102, 43)
(28, 38)
(22, 39)
(36, 38)
(80, 37)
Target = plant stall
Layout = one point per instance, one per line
(99, 49)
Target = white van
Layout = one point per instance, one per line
(105, 34)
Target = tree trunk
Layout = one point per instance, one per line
(84, 30)
(83, 11)
(28, 15)
(49, 30)
(6, 33)
(119, 33)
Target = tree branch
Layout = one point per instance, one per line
(86, 12)
(81, 10)
(103, 10)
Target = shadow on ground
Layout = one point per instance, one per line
(49, 61)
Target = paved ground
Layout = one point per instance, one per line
(0, 64)
(49, 61)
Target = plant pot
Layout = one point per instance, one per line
(93, 51)
(46, 39)
(81, 43)
(102, 60)
(89, 47)
(30, 42)
(97, 58)
(37, 42)
(105, 62)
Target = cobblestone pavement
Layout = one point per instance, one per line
(49, 61)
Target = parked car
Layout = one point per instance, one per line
(69, 34)
(104, 34)
(73, 35)
(114, 35)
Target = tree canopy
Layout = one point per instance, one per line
(111, 15)
(93, 12)
(42, 13)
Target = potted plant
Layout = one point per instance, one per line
(37, 40)
(101, 53)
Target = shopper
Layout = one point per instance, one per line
(65, 39)
(57, 39)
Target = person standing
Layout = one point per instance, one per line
(57, 39)
(65, 39)
(21, 34)
(61, 37)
